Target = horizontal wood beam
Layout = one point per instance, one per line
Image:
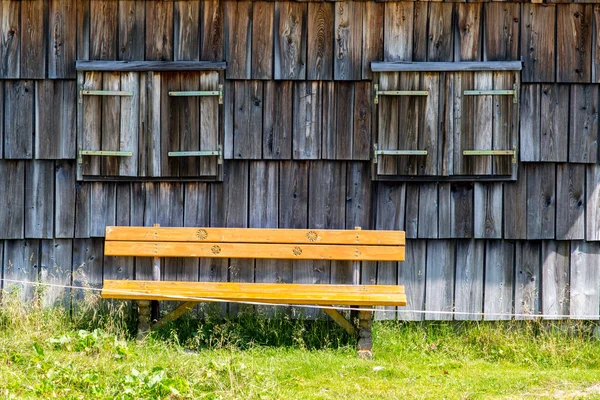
(406, 66)
(257, 235)
(127, 66)
(275, 293)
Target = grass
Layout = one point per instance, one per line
(46, 353)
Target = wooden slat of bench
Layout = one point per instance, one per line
(254, 250)
(280, 293)
(256, 235)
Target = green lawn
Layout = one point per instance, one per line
(46, 353)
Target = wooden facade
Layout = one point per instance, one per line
(296, 126)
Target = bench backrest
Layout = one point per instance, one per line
(301, 244)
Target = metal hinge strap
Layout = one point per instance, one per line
(377, 153)
(199, 93)
(378, 93)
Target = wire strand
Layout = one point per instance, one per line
(323, 307)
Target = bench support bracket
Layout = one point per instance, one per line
(173, 315)
(365, 340)
(341, 321)
(143, 319)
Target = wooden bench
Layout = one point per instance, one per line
(289, 244)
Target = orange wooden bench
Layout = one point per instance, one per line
(295, 244)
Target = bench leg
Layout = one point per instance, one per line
(143, 319)
(365, 341)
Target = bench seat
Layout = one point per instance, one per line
(278, 293)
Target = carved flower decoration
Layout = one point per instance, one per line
(215, 249)
(311, 236)
(297, 251)
(202, 234)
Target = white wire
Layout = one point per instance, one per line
(258, 303)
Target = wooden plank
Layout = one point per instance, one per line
(488, 210)
(322, 236)
(103, 29)
(64, 200)
(499, 280)
(10, 42)
(192, 126)
(429, 126)
(468, 32)
(412, 210)
(278, 121)
(155, 98)
(337, 137)
(538, 42)
(409, 120)
(170, 205)
(18, 119)
(482, 125)
(83, 29)
(359, 197)
(398, 31)
(262, 40)
(463, 115)
(129, 123)
(440, 39)
(33, 49)
(170, 110)
(102, 207)
(541, 201)
(21, 260)
(468, 295)
(196, 210)
(446, 137)
(87, 269)
(212, 30)
(209, 122)
(592, 213)
(264, 195)
(39, 199)
(329, 124)
(238, 39)
(247, 120)
(501, 31)
(372, 38)
(132, 15)
(290, 40)
(307, 113)
(82, 210)
(92, 123)
(12, 197)
(458, 66)
(439, 289)
(111, 122)
(186, 23)
(574, 43)
(455, 210)
(320, 35)
(516, 207)
(55, 102)
(505, 123)
(555, 124)
(527, 278)
(530, 123)
(62, 38)
(347, 64)
(145, 66)
(420, 34)
(159, 30)
(411, 274)
(583, 124)
(595, 50)
(259, 292)
(56, 258)
(388, 121)
(555, 278)
(584, 274)
(293, 195)
(361, 140)
(570, 200)
(428, 211)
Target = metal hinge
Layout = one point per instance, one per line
(378, 93)
(103, 153)
(514, 93)
(200, 93)
(512, 153)
(377, 153)
(200, 153)
(85, 92)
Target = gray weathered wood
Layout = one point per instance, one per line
(170, 110)
(505, 122)
(132, 16)
(103, 29)
(212, 30)
(530, 126)
(487, 207)
(411, 274)
(584, 283)
(307, 97)
(12, 198)
(372, 38)
(555, 278)
(455, 210)
(186, 23)
(407, 66)
(157, 66)
(209, 123)
(338, 120)
(18, 119)
(159, 30)
(501, 31)
(482, 125)
(538, 22)
(347, 64)
(64, 200)
(277, 121)
(440, 37)
(88, 258)
(33, 49)
(290, 40)
(39, 199)
(82, 19)
(428, 211)
(111, 121)
(570, 200)
(10, 42)
(555, 123)
(238, 39)
(191, 130)
(247, 120)
(262, 40)
(428, 136)
(388, 120)
(55, 102)
(468, 32)
(574, 43)
(420, 19)
(527, 278)
(62, 26)
(359, 202)
(102, 207)
(91, 122)
(439, 283)
(583, 124)
(412, 210)
(293, 194)
(499, 279)
(82, 210)
(21, 259)
(515, 208)
(541, 201)
(398, 32)
(129, 123)
(592, 213)
(56, 258)
(361, 140)
(468, 295)
(320, 37)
